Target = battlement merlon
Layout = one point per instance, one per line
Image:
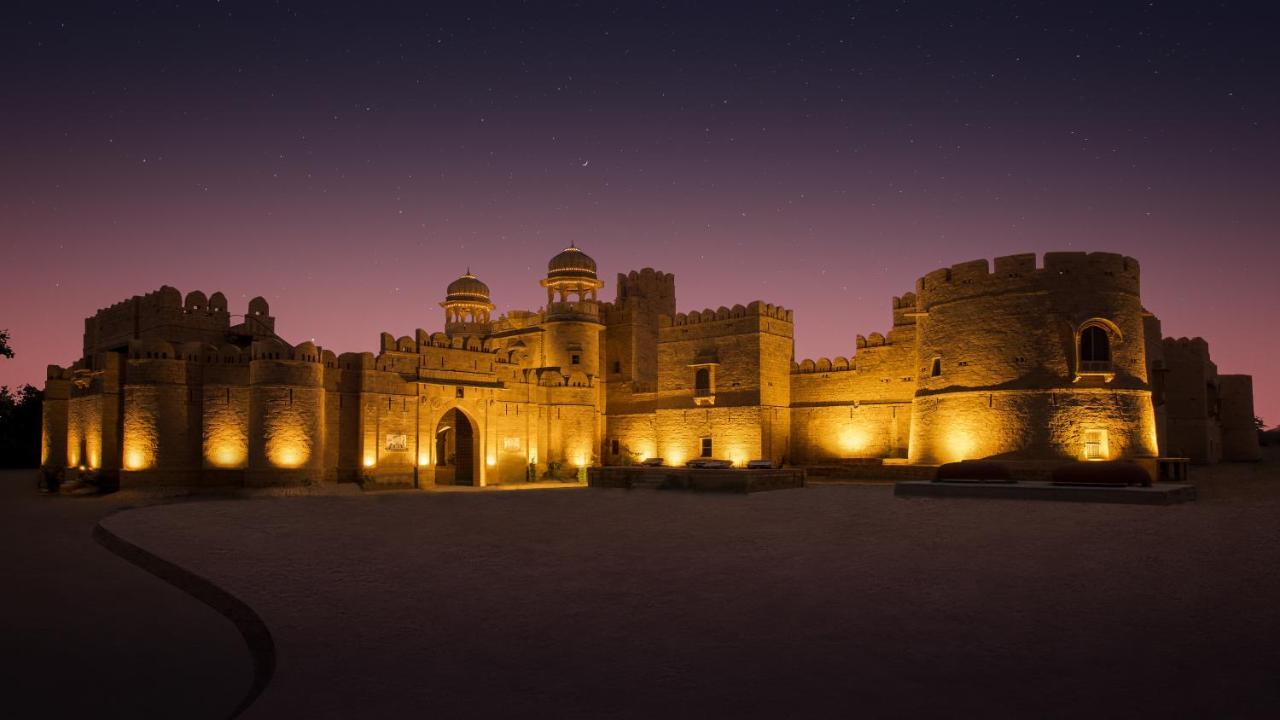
(1062, 271)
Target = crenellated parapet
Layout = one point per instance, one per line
(1196, 347)
(754, 309)
(646, 283)
(646, 289)
(423, 342)
(823, 365)
(1014, 274)
(904, 310)
(162, 314)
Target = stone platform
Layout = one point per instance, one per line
(1158, 494)
(730, 480)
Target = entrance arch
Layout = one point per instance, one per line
(456, 448)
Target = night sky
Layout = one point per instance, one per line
(347, 162)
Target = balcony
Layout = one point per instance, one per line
(704, 396)
(579, 310)
(1095, 368)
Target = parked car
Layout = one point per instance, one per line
(760, 465)
(651, 462)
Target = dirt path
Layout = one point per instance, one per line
(818, 602)
(86, 634)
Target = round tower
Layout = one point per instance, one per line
(572, 324)
(467, 307)
(1032, 363)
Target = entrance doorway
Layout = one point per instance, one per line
(455, 450)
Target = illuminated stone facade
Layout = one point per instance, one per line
(1024, 362)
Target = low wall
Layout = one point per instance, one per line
(697, 479)
(874, 471)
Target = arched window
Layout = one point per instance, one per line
(702, 379)
(1095, 346)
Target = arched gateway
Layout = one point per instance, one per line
(455, 449)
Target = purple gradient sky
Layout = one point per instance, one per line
(815, 162)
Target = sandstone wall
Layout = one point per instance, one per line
(1010, 383)
(735, 432)
(858, 407)
(750, 346)
(53, 420)
(565, 340)
(162, 422)
(1239, 433)
(286, 423)
(637, 437)
(1191, 393)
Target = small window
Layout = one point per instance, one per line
(617, 366)
(575, 359)
(936, 369)
(614, 446)
(458, 392)
(1095, 444)
(702, 380)
(706, 447)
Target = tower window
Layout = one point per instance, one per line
(1095, 346)
(575, 359)
(458, 392)
(617, 366)
(706, 447)
(936, 369)
(614, 446)
(1094, 349)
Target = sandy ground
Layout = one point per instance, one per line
(86, 634)
(800, 603)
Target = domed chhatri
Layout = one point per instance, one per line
(467, 288)
(466, 302)
(572, 263)
(571, 272)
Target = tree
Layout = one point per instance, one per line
(5, 350)
(1259, 423)
(20, 427)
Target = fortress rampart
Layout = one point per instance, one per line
(1004, 359)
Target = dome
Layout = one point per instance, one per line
(468, 288)
(572, 263)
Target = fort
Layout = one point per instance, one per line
(1024, 362)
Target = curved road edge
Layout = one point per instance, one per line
(262, 648)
